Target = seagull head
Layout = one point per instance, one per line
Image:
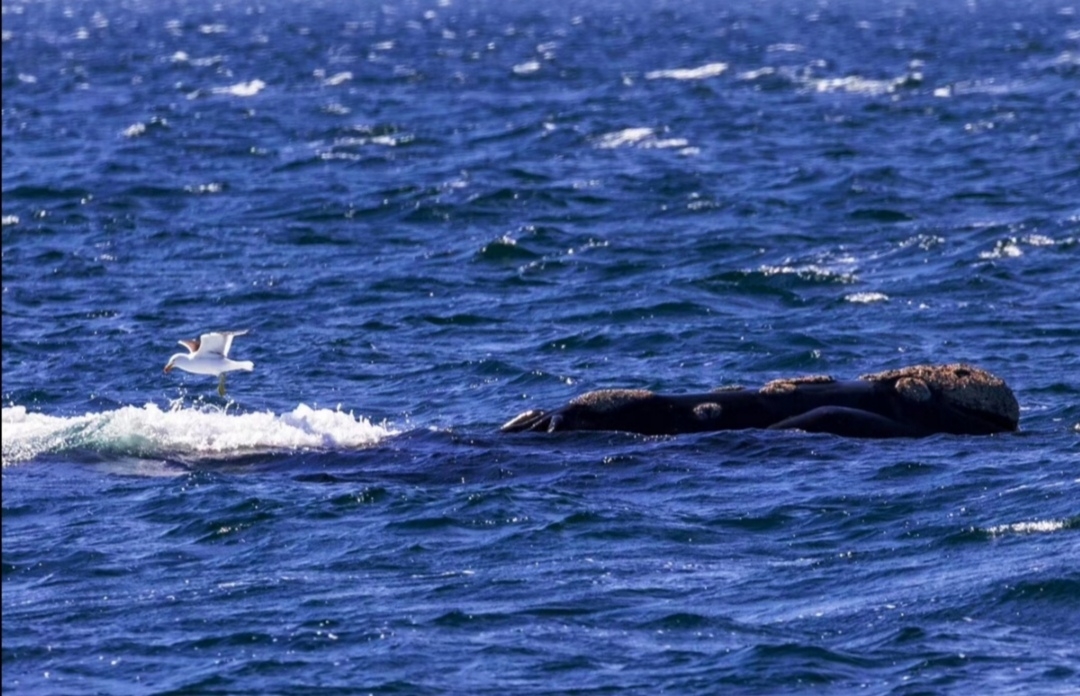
(173, 360)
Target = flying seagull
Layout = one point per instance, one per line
(209, 355)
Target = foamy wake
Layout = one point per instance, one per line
(209, 432)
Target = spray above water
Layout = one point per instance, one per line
(190, 433)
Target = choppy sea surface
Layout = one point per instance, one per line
(432, 215)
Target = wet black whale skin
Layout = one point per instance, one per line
(853, 408)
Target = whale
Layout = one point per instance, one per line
(914, 401)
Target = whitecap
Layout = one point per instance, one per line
(644, 138)
(1004, 249)
(627, 136)
(390, 140)
(860, 85)
(1033, 527)
(207, 432)
(866, 297)
(988, 86)
(810, 271)
(337, 79)
(527, 68)
(750, 75)
(242, 89)
(699, 73)
(662, 144)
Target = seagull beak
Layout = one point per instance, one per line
(167, 368)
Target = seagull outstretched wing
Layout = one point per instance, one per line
(215, 344)
(192, 344)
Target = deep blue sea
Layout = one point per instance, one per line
(432, 215)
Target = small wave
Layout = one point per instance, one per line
(209, 432)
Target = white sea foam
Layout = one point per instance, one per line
(811, 271)
(644, 138)
(627, 136)
(337, 79)
(527, 68)
(699, 73)
(755, 74)
(242, 89)
(1034, 527)
(1004, 249)
(866, 297)
(861, 85)
(209, 432)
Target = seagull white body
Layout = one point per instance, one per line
(209, 355)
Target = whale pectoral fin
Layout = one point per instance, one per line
(846, 422)
(524, 421)
(537, 422)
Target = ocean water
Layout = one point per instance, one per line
(433, 215)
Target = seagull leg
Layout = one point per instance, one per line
(221, 384)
